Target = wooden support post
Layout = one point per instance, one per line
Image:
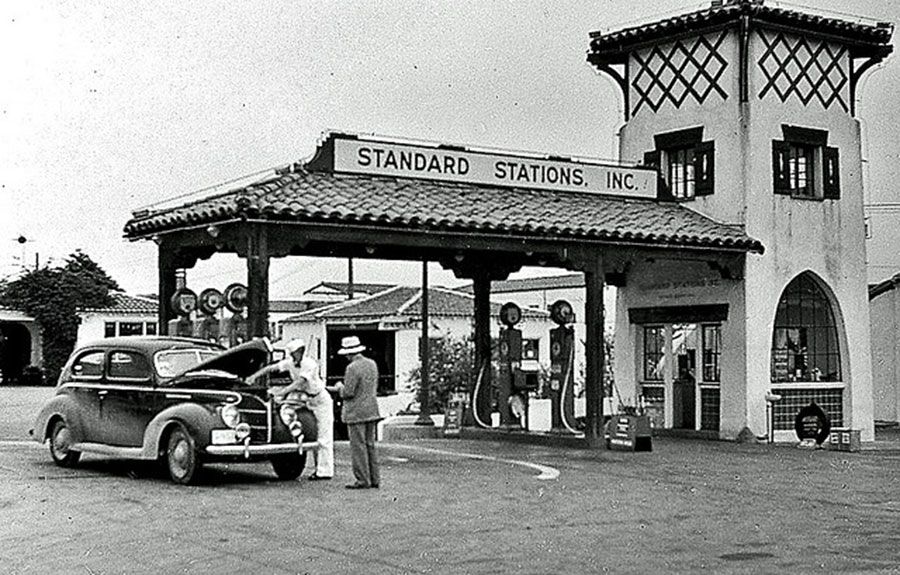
(482, 290)
(166, 286)
(257, 283)
(593, 279)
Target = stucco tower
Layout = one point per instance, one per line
(748, 111)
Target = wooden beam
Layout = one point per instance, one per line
(482, 289)
(166, 286)
(257, 282)
(594, 352)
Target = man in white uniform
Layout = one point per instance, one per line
(307, 385)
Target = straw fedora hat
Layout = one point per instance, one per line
(351, 345)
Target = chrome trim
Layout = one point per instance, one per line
(270, 408)
(110, 450)
(233, 395)
(268, 449)
(178, 396)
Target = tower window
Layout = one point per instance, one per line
(685, 163)
(803, 165)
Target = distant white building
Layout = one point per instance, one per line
(884, 309)
(389, 323)
(128, 315)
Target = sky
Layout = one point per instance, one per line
(107, 107)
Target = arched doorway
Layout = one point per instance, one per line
(806, 353)
(15, 352)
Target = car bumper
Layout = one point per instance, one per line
(264, 449)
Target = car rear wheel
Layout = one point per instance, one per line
(61, 445)
(182, 458)
(289, 466)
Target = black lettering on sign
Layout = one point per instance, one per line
(363, 157)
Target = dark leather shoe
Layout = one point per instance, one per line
(317, 478)
(375, 486)
(357, 486)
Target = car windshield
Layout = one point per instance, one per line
(171, 362)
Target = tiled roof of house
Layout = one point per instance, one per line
(124, 303)
(409, 204)
(342, 287)
(533, 284)
(863, 39)
(404, 301)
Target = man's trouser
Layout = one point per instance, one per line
(362, 452)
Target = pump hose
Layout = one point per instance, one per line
(562, 395)
(478, 383)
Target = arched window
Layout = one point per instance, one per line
(804, 343)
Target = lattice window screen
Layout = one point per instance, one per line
(794, 66)
(691, 68)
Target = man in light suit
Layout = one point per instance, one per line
(360, 412)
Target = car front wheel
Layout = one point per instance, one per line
(289, 466)
(182, 458)
(61, 445)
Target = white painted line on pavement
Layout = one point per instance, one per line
(20, 442)
(547, 472)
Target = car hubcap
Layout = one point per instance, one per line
(61, 442)
(180, 457)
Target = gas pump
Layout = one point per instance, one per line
(207, 326)
(516, 378)
(183, 302)
(233, 330)
(562, 368)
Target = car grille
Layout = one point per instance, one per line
(257, 413)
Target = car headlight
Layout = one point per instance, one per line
(230, 415)
(288, 414)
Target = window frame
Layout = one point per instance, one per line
(109, 367)
(693, 175)
(821, 172)
(659, 353)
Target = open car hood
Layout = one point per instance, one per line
(239, 361)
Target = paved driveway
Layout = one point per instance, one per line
(457, 506)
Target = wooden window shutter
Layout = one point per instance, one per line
(781, 167)
(653, 159)
(704, 168)
(831, 188)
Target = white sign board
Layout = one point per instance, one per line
(410, 161)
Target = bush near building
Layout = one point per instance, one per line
(51, 296)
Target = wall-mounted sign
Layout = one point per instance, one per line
(361, 156)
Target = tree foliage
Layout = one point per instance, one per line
(451, 368)
(52, 295)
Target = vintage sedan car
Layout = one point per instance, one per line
(180, 401)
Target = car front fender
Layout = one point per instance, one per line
(62, 406)
(197, 419)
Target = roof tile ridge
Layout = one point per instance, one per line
(408, 303)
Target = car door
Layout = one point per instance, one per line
(127, 402)
(84, 385)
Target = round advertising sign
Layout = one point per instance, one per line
(236, 297)
(184, 301)
(510, 314)
(211, 300)
(812, 423)
(561, 312)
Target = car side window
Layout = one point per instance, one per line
(128, 365)
(88, 366)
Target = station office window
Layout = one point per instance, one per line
(804, 166)
(804, 342)
(654, 352)
(686, 163)
(712, 352)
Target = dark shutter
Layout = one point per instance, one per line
(704, 168)
(832, 171)
(781, 167)
(652, 160)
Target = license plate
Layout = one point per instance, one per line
(223, 437)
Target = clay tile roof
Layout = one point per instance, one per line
(863, 39)
(124, 303)
(410, 204)
(405, 301)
